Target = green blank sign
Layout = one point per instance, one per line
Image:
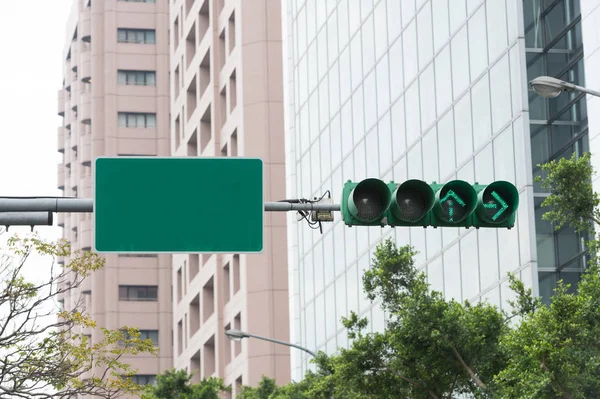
(188, 205)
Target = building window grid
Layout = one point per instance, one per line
(145, 334)
(137, 120)
(138, 293)
(298, 71)
(541, 44)
(143, 379)
(138, 36)
(136, 78)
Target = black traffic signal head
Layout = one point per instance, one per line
(410, 204)
(365, 203)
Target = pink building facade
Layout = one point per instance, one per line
(115, 102)
(227, 101)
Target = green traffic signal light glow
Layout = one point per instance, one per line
(455, 201)
(369, 200)
(497, 202)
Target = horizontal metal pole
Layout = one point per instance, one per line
(25, 218)
(288, 206)
(46, 204)
(86, 205)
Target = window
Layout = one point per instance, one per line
(138, 293)
(140, 36)
(144, 379)
(136, 78)
(146, 334)
(137, 120)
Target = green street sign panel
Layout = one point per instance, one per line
(178, 205)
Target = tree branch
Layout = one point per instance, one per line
(413, 382)
(473, 376)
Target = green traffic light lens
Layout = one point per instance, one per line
(497, 202)
(369, 200)
(412, 200)
(455, 201)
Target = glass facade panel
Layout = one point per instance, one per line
(434, 90)
(558, 126)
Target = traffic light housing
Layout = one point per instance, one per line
(365, 203)
(456, 203)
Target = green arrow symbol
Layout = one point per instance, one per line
(448, 197)
(503, 204)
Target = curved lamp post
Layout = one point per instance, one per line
(549, 87)
(237, 335)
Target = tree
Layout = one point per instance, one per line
(314, 385)
(44, 353)
(175, 384)
(554, 351)
(437, 348)
(430, 348)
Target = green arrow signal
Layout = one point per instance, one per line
(503, 204)
(494, 205)
(448, 197)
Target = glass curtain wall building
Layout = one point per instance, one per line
(558, 127)
(422, 89)
(434, 90)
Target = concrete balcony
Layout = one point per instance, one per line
(85, 233)
(85, 149)
(86, 285)
(61, 139)
(61, 102)
(85, 189)
(85, 71)
(74, 56)
(74, 97)
(61, 176)
(60, 219)
(74, 223)
(85, 111)
(85, 25)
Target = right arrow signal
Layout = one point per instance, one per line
(498, 202)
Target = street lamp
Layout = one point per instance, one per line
(549, 87)
(237, 335)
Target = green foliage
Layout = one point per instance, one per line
(437, 348)
(175, 384)
(314, 386)
(46, 353)
(431, 348)
(554, 351)
(572, 199)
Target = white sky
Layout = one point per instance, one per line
(32, 37)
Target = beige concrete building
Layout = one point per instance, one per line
(227, 100)
(115, 101)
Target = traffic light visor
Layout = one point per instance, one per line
(369, 200)
(455, 201)
(497, 202)
(412, 200)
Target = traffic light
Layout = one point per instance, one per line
(411, 203)
(496, 205)
(457, 203)
(365, 203)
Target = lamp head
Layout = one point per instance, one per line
(549, 87)
(236, 335)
